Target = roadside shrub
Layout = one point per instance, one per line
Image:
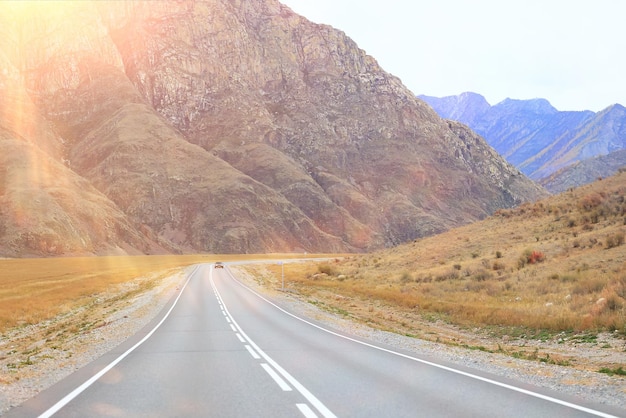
(614, 302)
(504, 213)
(451, 275)
(497, 265)
(620, 286)
(482, 275)
(424, 279)
(568, 278)
(615, 240)
(536, 257)
(326, 268)
(595, 217)
(589, 286)
(406, 277)
(531, 257)
(618, 371)
(591, 201)
(484, 287)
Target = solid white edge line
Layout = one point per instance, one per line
(299, 387)
(279, 381)
(440, 366)
(306, 411)
(73, 394)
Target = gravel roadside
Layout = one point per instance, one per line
(588, 385)
(33, 358)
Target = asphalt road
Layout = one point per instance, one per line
(222, 350)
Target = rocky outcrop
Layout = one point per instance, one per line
(231, 126)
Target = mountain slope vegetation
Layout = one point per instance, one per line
(550, 270)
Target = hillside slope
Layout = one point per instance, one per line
(530, 282)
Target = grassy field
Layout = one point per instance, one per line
(33, 290)
(557, 266)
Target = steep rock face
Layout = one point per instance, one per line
(234, 126)
(176, 190)
(309, 99)
(534, 136)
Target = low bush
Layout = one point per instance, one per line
(589, 286)
(615, 240)
(618, 371)
(326, 268)
(406, 277)
(482, 275)
(451, 275)
(591, 201)
(536, 257)
(531, 257)
(498, 266)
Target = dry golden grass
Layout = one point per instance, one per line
(33, 290)
(554, 266)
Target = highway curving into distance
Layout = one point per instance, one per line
(222, 350)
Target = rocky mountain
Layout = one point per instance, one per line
(586, 171)
(533, 135)
(220, 126)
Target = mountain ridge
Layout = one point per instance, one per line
(229, 126)
(536, 137)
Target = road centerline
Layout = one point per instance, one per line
(306, 410)
(279, 380)
(252, 352)
(276, 367)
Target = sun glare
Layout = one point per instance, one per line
(22, 23)
(29, 8)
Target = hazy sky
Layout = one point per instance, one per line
(571, 52)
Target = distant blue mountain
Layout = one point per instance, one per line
(534, 136)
